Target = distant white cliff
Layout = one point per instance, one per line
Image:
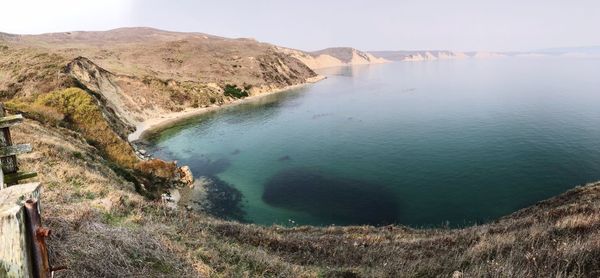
(430, 55)
(334, 57)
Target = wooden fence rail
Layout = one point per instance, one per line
(9, 152)
(23, 251)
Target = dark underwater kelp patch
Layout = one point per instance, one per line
(341, 200)
(284, 158)
(223, 201)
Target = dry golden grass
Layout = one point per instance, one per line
(76, 109)
(578, 222)
(25, 72)
(158, 168)
(81, 111)
(175, 56)
(97, 218)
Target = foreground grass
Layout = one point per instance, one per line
(102, 228)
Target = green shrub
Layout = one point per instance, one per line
(77, 155)
(234, 91)
(41, 113)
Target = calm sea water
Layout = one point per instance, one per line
(421, 144)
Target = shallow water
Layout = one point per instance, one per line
(422, 144)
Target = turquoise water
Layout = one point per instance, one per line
(421, 144)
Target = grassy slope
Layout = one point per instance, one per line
(144, 72)
(78, 110)
(101, 227)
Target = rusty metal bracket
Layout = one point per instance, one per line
(37, 237)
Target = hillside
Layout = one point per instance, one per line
(83, 93)
(334, 57)
(168, 55)
(141, 72)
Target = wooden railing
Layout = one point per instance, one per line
(8, 151)
(23, 251)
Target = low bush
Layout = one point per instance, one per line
(40, 113)
(234, 91)
(157, 167)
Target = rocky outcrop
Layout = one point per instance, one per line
(100, 83)
(185, 176)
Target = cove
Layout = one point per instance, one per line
(422, 144)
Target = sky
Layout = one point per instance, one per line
(508, 25)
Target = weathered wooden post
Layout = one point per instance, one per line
(23, 251)
(15, 251)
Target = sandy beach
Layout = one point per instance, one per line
(166, 120)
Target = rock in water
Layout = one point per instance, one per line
(284, 158)
(185, 176)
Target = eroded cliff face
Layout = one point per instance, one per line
(128, 100)
(283, 70)
(101, 83)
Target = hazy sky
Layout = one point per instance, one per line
(311, 25)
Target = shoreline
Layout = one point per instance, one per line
(164, 121)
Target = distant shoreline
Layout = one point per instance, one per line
(164, 121)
